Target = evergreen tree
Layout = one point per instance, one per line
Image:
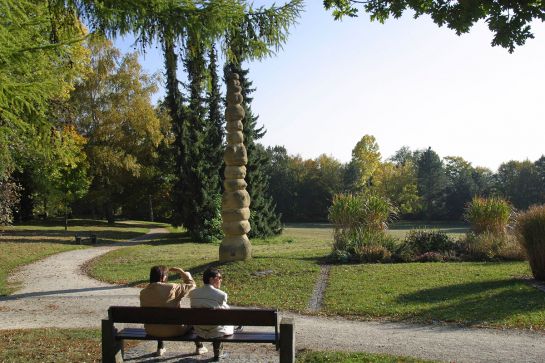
(174, 102)
(216, 121)
(431, 184)
(264, 219)
(198, 190)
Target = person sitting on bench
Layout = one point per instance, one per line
(160, 293)
(210, 296)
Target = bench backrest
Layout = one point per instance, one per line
(193, 316)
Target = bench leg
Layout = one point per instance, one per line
(287, 341)
(112, 350)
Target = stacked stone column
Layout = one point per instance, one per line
(235, 202)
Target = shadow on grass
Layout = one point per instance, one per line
(66, 237)
(169, 239)
(477, 302)
(58, 292)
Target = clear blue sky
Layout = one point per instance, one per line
(406, 82)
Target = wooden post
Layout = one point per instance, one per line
(287, 341)
(112, 351)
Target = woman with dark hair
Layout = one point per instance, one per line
(160, 293)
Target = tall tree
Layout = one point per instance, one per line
(461, 188)
(519, 182)
(431, 184)
(282, 182)
(540, 170)
(112, 109)
(366, 157)
(264, 219)
(509, 21)
(216, 120)
(398, 183)
(199, 180)
(40, 58)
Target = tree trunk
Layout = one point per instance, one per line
(109, 212)
(150, 209)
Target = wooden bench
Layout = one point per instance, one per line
(80, 239)
(112, 338)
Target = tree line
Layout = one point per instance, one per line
(78, 132)
(419, 183)
(79, 135)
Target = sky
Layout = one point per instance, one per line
(406, 82)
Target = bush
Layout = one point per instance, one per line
(359, 223)
(492, 246)
(431, 257)
(423, 245)
(422, 241)
(9, 197)
(530, 229)
(488, 215)
(362, 245)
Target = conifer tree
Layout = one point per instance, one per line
(216, 121)
(197, 191)
(264, 219)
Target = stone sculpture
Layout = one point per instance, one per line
(235, 203)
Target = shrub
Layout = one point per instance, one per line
(361, 245)
(492, 246)
(9, 197)
(431, 257)
(530, 229)
(424, 245)
(422, 241)
(359, 223)
(488, 215)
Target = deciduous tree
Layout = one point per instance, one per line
(509, 21)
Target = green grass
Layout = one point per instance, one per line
(475, 294)
(284, 270)
(50, 345)
(338, 357)
(287, 260)
(24, 244)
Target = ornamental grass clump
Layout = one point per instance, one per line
(488, 215)
(359, 222)
(530, 228)
(489, 238)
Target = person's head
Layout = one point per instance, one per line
(158, 274)
(212, 277)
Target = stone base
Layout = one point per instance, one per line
(235, 248)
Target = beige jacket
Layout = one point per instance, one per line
(210, 297)
(164, 294)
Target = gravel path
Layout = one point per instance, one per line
(56, 293)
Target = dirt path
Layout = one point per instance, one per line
(56, 293)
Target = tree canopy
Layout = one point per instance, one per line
(509, 21)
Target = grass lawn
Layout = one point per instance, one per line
(470, 293)
(83, 345)
(50, 345)
(23, 244)
(338, 357)
(290, 260)
(284, 270)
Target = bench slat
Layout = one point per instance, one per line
(246, 337)
(193, 316)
